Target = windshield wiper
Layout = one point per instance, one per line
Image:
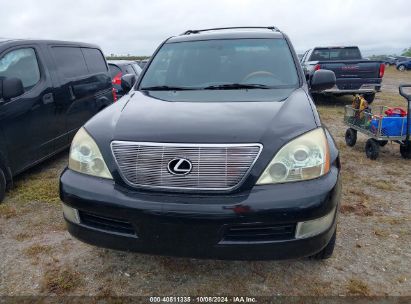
(167, 88)
(234, 86)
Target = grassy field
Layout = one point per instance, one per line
(372, 255)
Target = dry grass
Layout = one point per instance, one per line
(358, 288)
(381, 233)
(392, 73)
(36, 250)
(39, 184)
(7, 211)
(384, 185)
(61, 281)
(392, 220)
(355, 201)
(37, 188)
(357, 209)
(22, 236)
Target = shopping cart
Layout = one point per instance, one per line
(379, 127)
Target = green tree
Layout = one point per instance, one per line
(407, 52)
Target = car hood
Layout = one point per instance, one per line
(171, 116)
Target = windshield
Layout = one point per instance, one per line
(348, 53)
(222, 64)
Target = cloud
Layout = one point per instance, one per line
(138, 27)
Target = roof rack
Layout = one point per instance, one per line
(272, 28)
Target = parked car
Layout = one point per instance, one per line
(390, 60)
(401, 58)
(404, 65)
(355, 75)
(118, 68)
(48, 90)
(217, 152)
(142, 63)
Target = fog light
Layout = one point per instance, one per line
(71, 214)
(314, 227)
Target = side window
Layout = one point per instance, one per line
(136, 68)
(129, 69)
(114, 70)
(22, 64)
(70, 61)
(320, 54)
(94, 60)
(305, 56)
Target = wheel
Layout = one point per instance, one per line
(316, 97)
(369, 97)
(382, 143)
(351, 137)
(405, 150)
(401, 68)
(328, 250)
(2, 185)
(372, 149)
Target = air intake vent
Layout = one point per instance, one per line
(104, 223)
(259, 233)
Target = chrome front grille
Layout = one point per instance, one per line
(214, 166)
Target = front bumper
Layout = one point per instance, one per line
(243, 226)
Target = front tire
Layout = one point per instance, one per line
(372, 149)
(405, 150)
(401, 68)
(328, 250)
(351, 137)
(369, 97)
(2, 185)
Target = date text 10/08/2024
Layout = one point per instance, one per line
(174, 299)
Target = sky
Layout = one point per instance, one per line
(137, 27)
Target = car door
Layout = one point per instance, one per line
(85, 85)
(28, 122)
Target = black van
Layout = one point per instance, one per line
(48, 90)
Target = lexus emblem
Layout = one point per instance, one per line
(179, 166)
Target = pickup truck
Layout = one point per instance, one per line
(354, 74)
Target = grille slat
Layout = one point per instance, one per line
(214, 167)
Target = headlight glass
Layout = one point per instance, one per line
(305, 157)
(85, 156)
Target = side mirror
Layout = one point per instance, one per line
(127, 82)
(10, 88)
(322, 80)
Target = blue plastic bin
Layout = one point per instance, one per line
(391, 126)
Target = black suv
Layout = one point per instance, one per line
(216, 152)
(48, 90)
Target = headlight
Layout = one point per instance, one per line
(85, 156)
(305, 157)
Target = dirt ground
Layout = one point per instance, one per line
(372, 255)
